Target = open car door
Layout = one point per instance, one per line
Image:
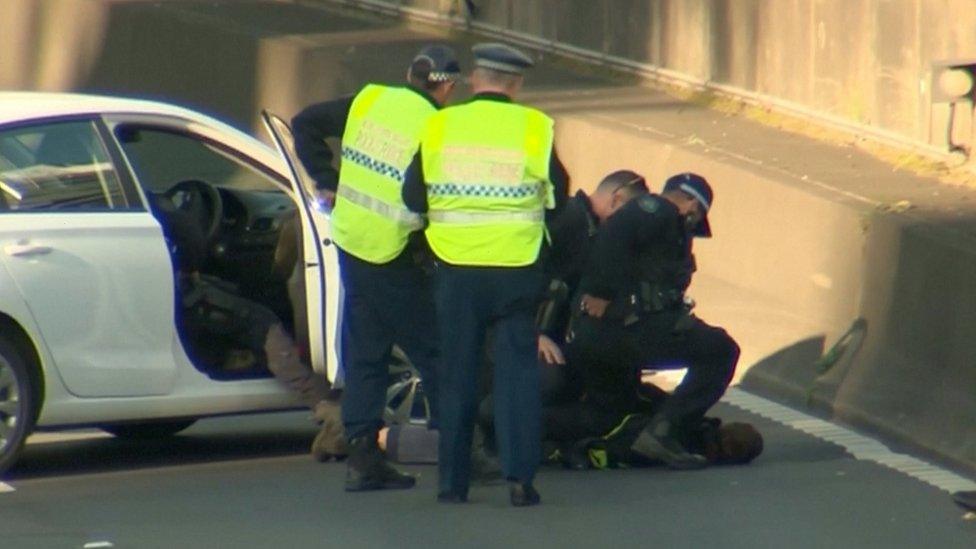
(321, 264)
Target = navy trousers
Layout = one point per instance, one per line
(384, 305)
(613, 355)
(470, 302)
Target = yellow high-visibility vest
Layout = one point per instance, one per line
(382, 135)
(486, 166)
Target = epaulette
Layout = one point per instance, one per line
(649, 203)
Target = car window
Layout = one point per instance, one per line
(162, 158)
(57, 166)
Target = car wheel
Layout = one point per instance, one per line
(17, 406)
(405, 398)
(153, 429)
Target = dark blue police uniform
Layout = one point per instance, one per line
(642, 262)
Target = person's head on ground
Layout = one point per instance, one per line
(498, 69)
(733, 444)
(435, 70)
(692, 195)
(615, 190)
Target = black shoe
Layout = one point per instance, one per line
(523, 495)
(367, 468)
(451, 497)
(656, 442)
(965, 499)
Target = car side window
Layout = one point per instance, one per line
(162, 158)
(57, 166)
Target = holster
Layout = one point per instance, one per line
(549, 312)
(653, 298)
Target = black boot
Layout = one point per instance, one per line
(523, 495)
(965, 499)
(367, 469)
(657, 442)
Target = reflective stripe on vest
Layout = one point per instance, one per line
(449, 216)
(486, 165)
(399, 214)
(381, 138)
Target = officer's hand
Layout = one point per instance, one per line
(549, 352)
(594, 306)
(327, 197)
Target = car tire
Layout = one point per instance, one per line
(18, 409)
(405, 398)
(148, 430)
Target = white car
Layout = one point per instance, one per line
(88, 301)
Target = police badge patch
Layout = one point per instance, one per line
(648, 203)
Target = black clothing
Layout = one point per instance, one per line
(311, 128)
(185, 234)
(642, 262)
(645, 241)
(613, 356)
(470, 302)
(571, 235)
(383, 305)
(571, 422)
(415, 190)
(318, 122)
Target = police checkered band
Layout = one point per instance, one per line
(697, 195)
(442, 76)
(487, 191)
(372, 164)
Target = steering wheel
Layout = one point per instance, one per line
(201, 201)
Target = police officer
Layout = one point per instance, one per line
(571, 235)
(634, 314)
(486, 176)
(387, 295)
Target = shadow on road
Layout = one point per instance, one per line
(216, 440)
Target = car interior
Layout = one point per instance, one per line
(225, 221)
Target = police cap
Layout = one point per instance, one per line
(698, 188)
(501, 58)
(442, 61)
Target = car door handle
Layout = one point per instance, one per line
(26, 250)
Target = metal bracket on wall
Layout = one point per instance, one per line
(951, 121)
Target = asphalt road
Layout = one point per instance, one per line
(248, 481)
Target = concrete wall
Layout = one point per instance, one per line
(863, 63)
